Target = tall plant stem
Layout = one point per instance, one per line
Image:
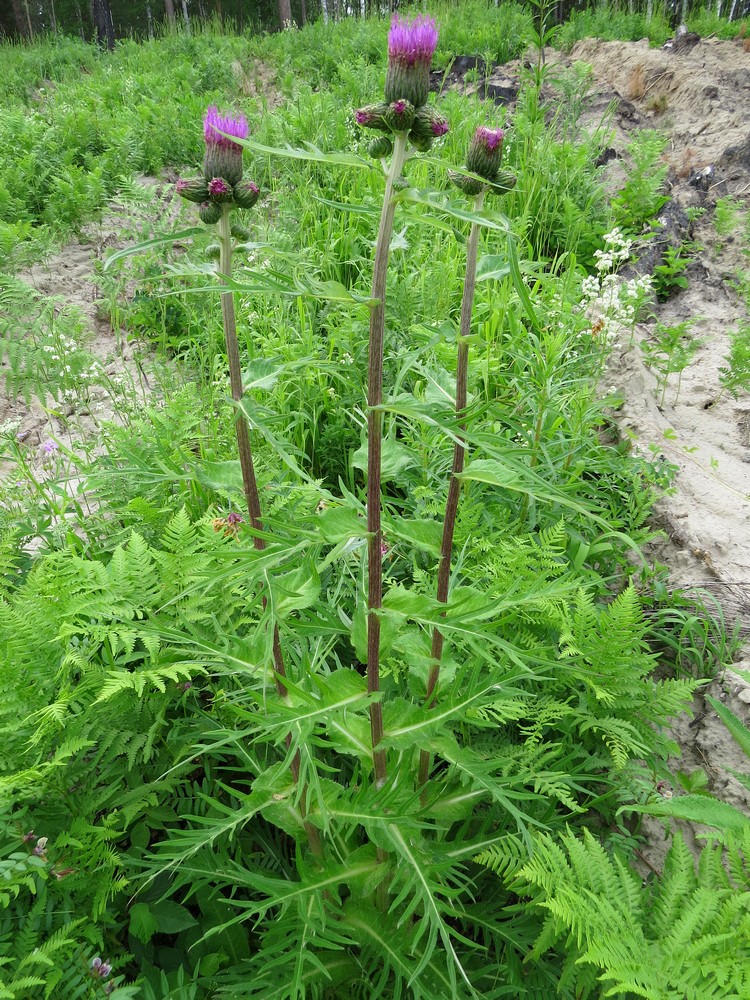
(459, 453)
(374, 454)
(250, 483)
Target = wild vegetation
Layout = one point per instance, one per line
(334, 667)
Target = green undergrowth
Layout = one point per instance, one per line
(149, 819)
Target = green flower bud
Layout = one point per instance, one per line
(427, 124)
(246, 193)
(400, 115)
(213, 252)
(504, 181)
(380, 147)
(466, 184)
(422, 145)
(219, 190)
(241, 233)
(209, 213)
(195, 189)
(373, 116)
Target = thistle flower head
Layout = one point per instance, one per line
(411, 46)
(412, 42)
(218, 189)
(214, 124)
(489, 137)
(485, 152)
(438, 127)
(223, 156)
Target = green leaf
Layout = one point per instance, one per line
(437, 201)
(338, 524)
(310, 152)
(739, 732)
(492, 266)
(143, 924)
(295, 590)
(183, 234)
(422, 533)
(695, 809)
(397, 458)
(171, 917)
(221, 476)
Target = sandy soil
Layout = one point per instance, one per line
(70, 278)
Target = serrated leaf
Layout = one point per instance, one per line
(695, 809)
(183, 234)
(309, 152)
(221, 476)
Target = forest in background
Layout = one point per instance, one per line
(108, 20)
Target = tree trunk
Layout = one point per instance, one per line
(20, 18)
(28, 20)
(324, 10)
(303, 11)
(186, 16)
(169, 11)
(285, 13)
(101, 15)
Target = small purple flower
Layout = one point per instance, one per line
(50, 447)
(233, 518)
(99, 968)
(214, 124)
(411, 46)
(399, 107)
(412, 42)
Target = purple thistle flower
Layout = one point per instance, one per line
(485, 152)
(438, 127)
(214, 124)
(490, 137)
(411, 46)
(413, 42)
(223, 156)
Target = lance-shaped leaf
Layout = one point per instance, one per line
(308, 152)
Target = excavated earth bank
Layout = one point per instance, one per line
(697, 93)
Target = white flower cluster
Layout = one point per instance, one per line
(612, 303)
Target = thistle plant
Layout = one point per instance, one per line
(483, 161)
(405, 119)
(220, 190)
